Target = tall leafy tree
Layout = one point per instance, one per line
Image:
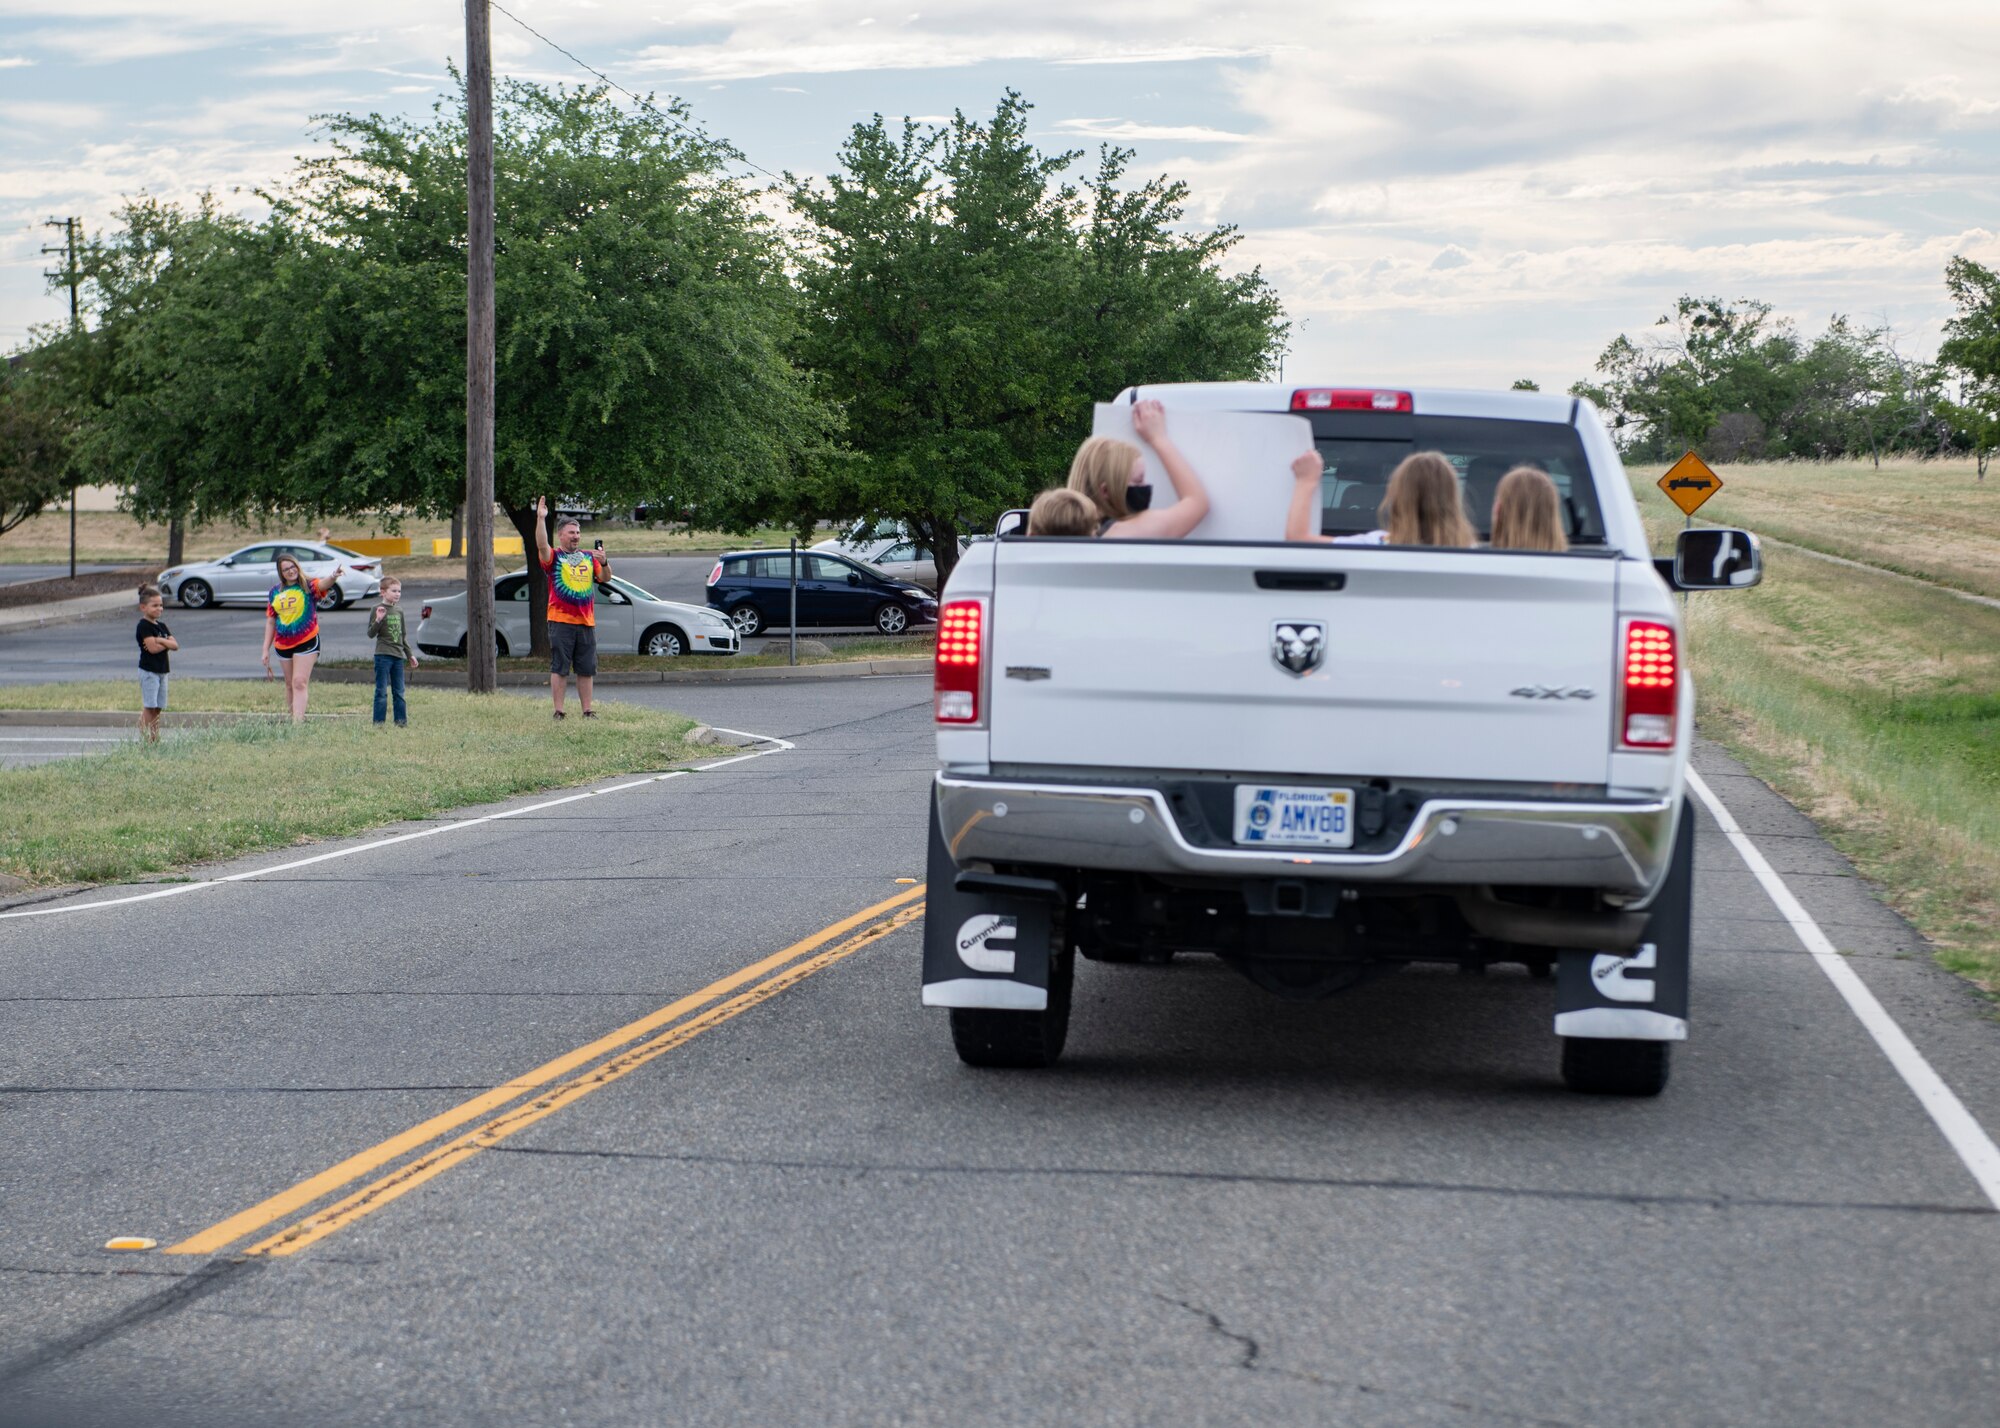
(1971, 354)
(967, 304)
(35, 444)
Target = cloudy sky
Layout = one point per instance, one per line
(1444, 190)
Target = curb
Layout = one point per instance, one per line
(62, 612)
(115, 719)
(847, 669)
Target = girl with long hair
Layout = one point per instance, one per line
(1112, 474)
(1421, 507)
(291, 630)
(1527, 512)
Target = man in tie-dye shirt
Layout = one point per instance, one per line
(573, 575)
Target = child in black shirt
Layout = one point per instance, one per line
(154, 642)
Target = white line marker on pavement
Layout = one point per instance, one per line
(1965, 1134)
(778, 746)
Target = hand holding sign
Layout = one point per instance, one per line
(1239, 455)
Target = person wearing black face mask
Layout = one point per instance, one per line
(1112, 474)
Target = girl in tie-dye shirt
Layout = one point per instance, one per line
(291, 629)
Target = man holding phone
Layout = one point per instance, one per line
(573, 577)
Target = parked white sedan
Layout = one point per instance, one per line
(247, 575)
(630, 620)
(890, 549)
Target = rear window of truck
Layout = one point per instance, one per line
(1480, 449)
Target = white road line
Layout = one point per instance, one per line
(29, 739)
(1965, 1134)
(778, 746)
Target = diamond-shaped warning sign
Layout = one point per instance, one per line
(1689, 482)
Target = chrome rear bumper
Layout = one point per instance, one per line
(1616, 847)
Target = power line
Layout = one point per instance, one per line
(645, 104)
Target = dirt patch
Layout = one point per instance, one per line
(44, 592)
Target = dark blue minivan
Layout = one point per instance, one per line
(754, 588)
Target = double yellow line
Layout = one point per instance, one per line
(558, 1083)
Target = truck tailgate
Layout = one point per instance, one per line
(1445, 665)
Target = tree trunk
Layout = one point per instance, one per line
(458, 532)
(176, 541)
(940, 535)
(523, 521)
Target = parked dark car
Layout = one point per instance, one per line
(753, 587)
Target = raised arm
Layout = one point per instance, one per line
(1302, 519)
(1190, 505)
(542, 550)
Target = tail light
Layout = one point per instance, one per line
(364, 565)
(426, 613)
(1649, 685)
(961, 659)
(1350, 399)
(715, 574)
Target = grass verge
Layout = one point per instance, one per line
(216, 793)
(1874, 705)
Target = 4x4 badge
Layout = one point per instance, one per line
(1298, 647)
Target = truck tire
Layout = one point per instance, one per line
(1616, 1068)
(1017, 1040)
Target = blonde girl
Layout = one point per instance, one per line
(1527, 512)
(291, 630)
(1112, 473)
(1421, 507)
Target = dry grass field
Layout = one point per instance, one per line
(1873, 703)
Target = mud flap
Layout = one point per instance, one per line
(982, 947)
(1641, 995)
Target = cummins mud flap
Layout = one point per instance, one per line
(1641, 995)
(985, 945)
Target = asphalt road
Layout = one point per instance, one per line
(24, 746)
(224, 643)
(1221, 1208)
(17, 574)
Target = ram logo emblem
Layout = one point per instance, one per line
(1298, 647)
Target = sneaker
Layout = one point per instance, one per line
(561, 715)
(402, 723)
(590, 713)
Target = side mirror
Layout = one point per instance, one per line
(227, 560)
(852, 578)
(1717, 559)
(1011, 523)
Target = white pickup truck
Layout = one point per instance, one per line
(1324, 762)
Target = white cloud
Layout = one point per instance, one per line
(1126, 130)
(14, 61)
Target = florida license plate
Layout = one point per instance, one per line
(1294, 817)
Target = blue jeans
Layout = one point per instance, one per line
(389, 679)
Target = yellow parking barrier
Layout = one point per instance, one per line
(502, 545)
(382, 546)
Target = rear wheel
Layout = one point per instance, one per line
(892, 619)
(331, 598)
(1018, 1040)
(196, 595)
(748, 619)
(663, 641)
(1616, 1068)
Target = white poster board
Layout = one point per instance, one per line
(1243, 458)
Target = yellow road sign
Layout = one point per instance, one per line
(1689, 482)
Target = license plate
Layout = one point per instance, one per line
(1294, 817)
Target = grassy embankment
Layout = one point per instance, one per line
(213, 793)
(111, 537)
(1872, 703)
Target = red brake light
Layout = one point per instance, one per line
(715, 574)
(1649, 686)
(1350, 399)
(961, 655)
(426, 613)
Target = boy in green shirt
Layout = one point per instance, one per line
(389, 628)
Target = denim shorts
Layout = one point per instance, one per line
(152, 689)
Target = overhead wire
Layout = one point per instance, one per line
(643, 103)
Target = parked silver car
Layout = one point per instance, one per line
(247, 575)
(630, 620)
(891, 549)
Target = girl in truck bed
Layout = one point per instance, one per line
(1421, 507)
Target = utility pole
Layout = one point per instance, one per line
(482, 674)
(71, 228)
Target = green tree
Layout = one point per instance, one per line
(1970, 353)
(35, 432)
(967, 305)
